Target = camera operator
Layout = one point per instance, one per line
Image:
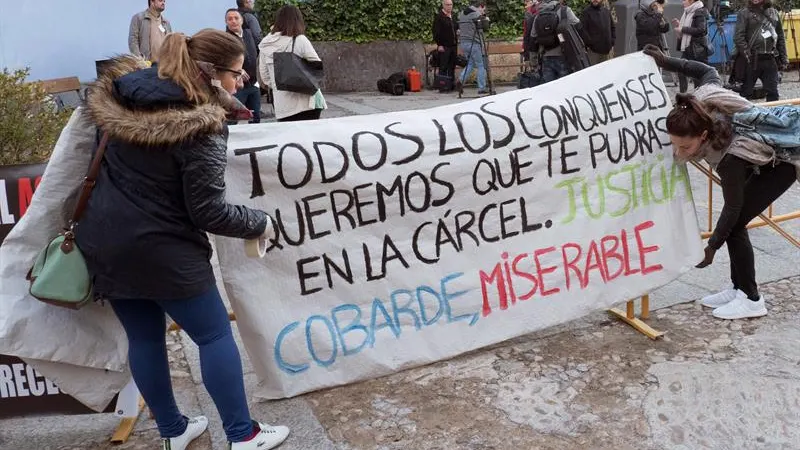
(651, 25)
(760, 41)
(444, 34)
(471, 23)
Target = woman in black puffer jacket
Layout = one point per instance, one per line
(160, 190)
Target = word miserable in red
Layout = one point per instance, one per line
(526, 274)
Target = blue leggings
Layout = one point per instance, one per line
(205, 320)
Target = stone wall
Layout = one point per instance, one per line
(357, 67)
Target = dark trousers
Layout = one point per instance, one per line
(553, 68)
(205, 319)
(250, 96)
(310, 114)
(764, 68)
(683, 82)
(760, 191)
(447, 61)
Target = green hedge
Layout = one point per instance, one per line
(371, 20)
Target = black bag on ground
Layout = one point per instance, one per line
(443, 82)
(296, 74)
(394, 85)
(529, 79)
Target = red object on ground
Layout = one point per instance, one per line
(414, 80)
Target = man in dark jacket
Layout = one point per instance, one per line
(249, 94)
(651, 26)
(444, 34)
(598, 30)
(759, 37)
(250, 21)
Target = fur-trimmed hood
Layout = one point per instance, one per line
(132, 104)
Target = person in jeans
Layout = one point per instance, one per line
(598, 30)
(444, 34)
(753, 174)
(760, 38)
(160, 190)
(471, 43)
(692, 33)
(545, 30)
(288, 35)
(249, 94)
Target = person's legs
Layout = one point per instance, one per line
(466, 48)
(749, 82)
(254, 103)
(550, 69)
(761, 191)
(683, 82)
(145, 324)
(563, 67)
(768, 73)
(205, 320)
(480, 63)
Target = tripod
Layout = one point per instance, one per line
(720, 31)
(484, 46)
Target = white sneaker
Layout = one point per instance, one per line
(194, 428)
(741, 307)
(719, 299)
(268, 437)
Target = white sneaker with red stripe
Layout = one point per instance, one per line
(268, 437)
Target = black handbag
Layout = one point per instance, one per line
(296, 74)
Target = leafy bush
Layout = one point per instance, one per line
(372, 20)
(29, 121)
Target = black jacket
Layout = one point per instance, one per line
(444, 30)
(698, 30)
(251, 23)
(650, 29)
(160, 189)
(598, 29)
(748, 37)
(250, 55)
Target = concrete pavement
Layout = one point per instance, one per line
(590, 384)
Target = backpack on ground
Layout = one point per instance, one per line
(546, 28)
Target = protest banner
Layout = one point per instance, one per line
(410, 237)
(17, 185)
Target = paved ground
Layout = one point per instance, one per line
(590, 384)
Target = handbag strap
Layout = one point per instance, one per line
(90, 180)
(293, 39)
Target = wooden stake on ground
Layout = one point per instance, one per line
(125, 427)
(629, 317)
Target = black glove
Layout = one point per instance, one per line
(655, 53)
(783, 65)
(708, 259)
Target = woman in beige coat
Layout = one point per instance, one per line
(287, 35)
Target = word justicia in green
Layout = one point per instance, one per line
(620, 191)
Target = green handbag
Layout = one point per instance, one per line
(59, 275)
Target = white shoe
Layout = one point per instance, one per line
(741, 307)
(194, 428)
(268, 437)
(719, 299)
